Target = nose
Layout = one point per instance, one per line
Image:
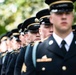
(37, 34)
(64, 16)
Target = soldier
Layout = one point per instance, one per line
(4, 49)
(46, 28)
(3, 43)
(9, 49)
(16, 44)
(56, 55)
(32, 32)
(20, 59)
(33, 29)
(21, 36)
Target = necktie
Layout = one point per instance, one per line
(63, 46)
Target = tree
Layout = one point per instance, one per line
(13, 12)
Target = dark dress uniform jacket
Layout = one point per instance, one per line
(50, 60)
(19, 61)
(11, 63)
(1, 57)
(4, 66)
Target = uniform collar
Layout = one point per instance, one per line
(68, 39)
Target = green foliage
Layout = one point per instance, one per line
(2, 29)
(13, 12)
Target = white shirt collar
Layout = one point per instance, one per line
(57, 39)
(68, 39)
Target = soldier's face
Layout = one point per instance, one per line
(45, 31)
(3, 46)
(62, 22)
(9, 44)
(22, 38)
(33, 36)
(15, 44)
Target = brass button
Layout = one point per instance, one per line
(64, 68)
(43, 68)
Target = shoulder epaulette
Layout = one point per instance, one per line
(12, 52)
(3, 54)
(31, 43)
(17, 51)
(36, 42)
(45, 39)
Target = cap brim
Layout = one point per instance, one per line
(18, 40)
(34, 31)
(62, 10)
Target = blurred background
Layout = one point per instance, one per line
(13, 12)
